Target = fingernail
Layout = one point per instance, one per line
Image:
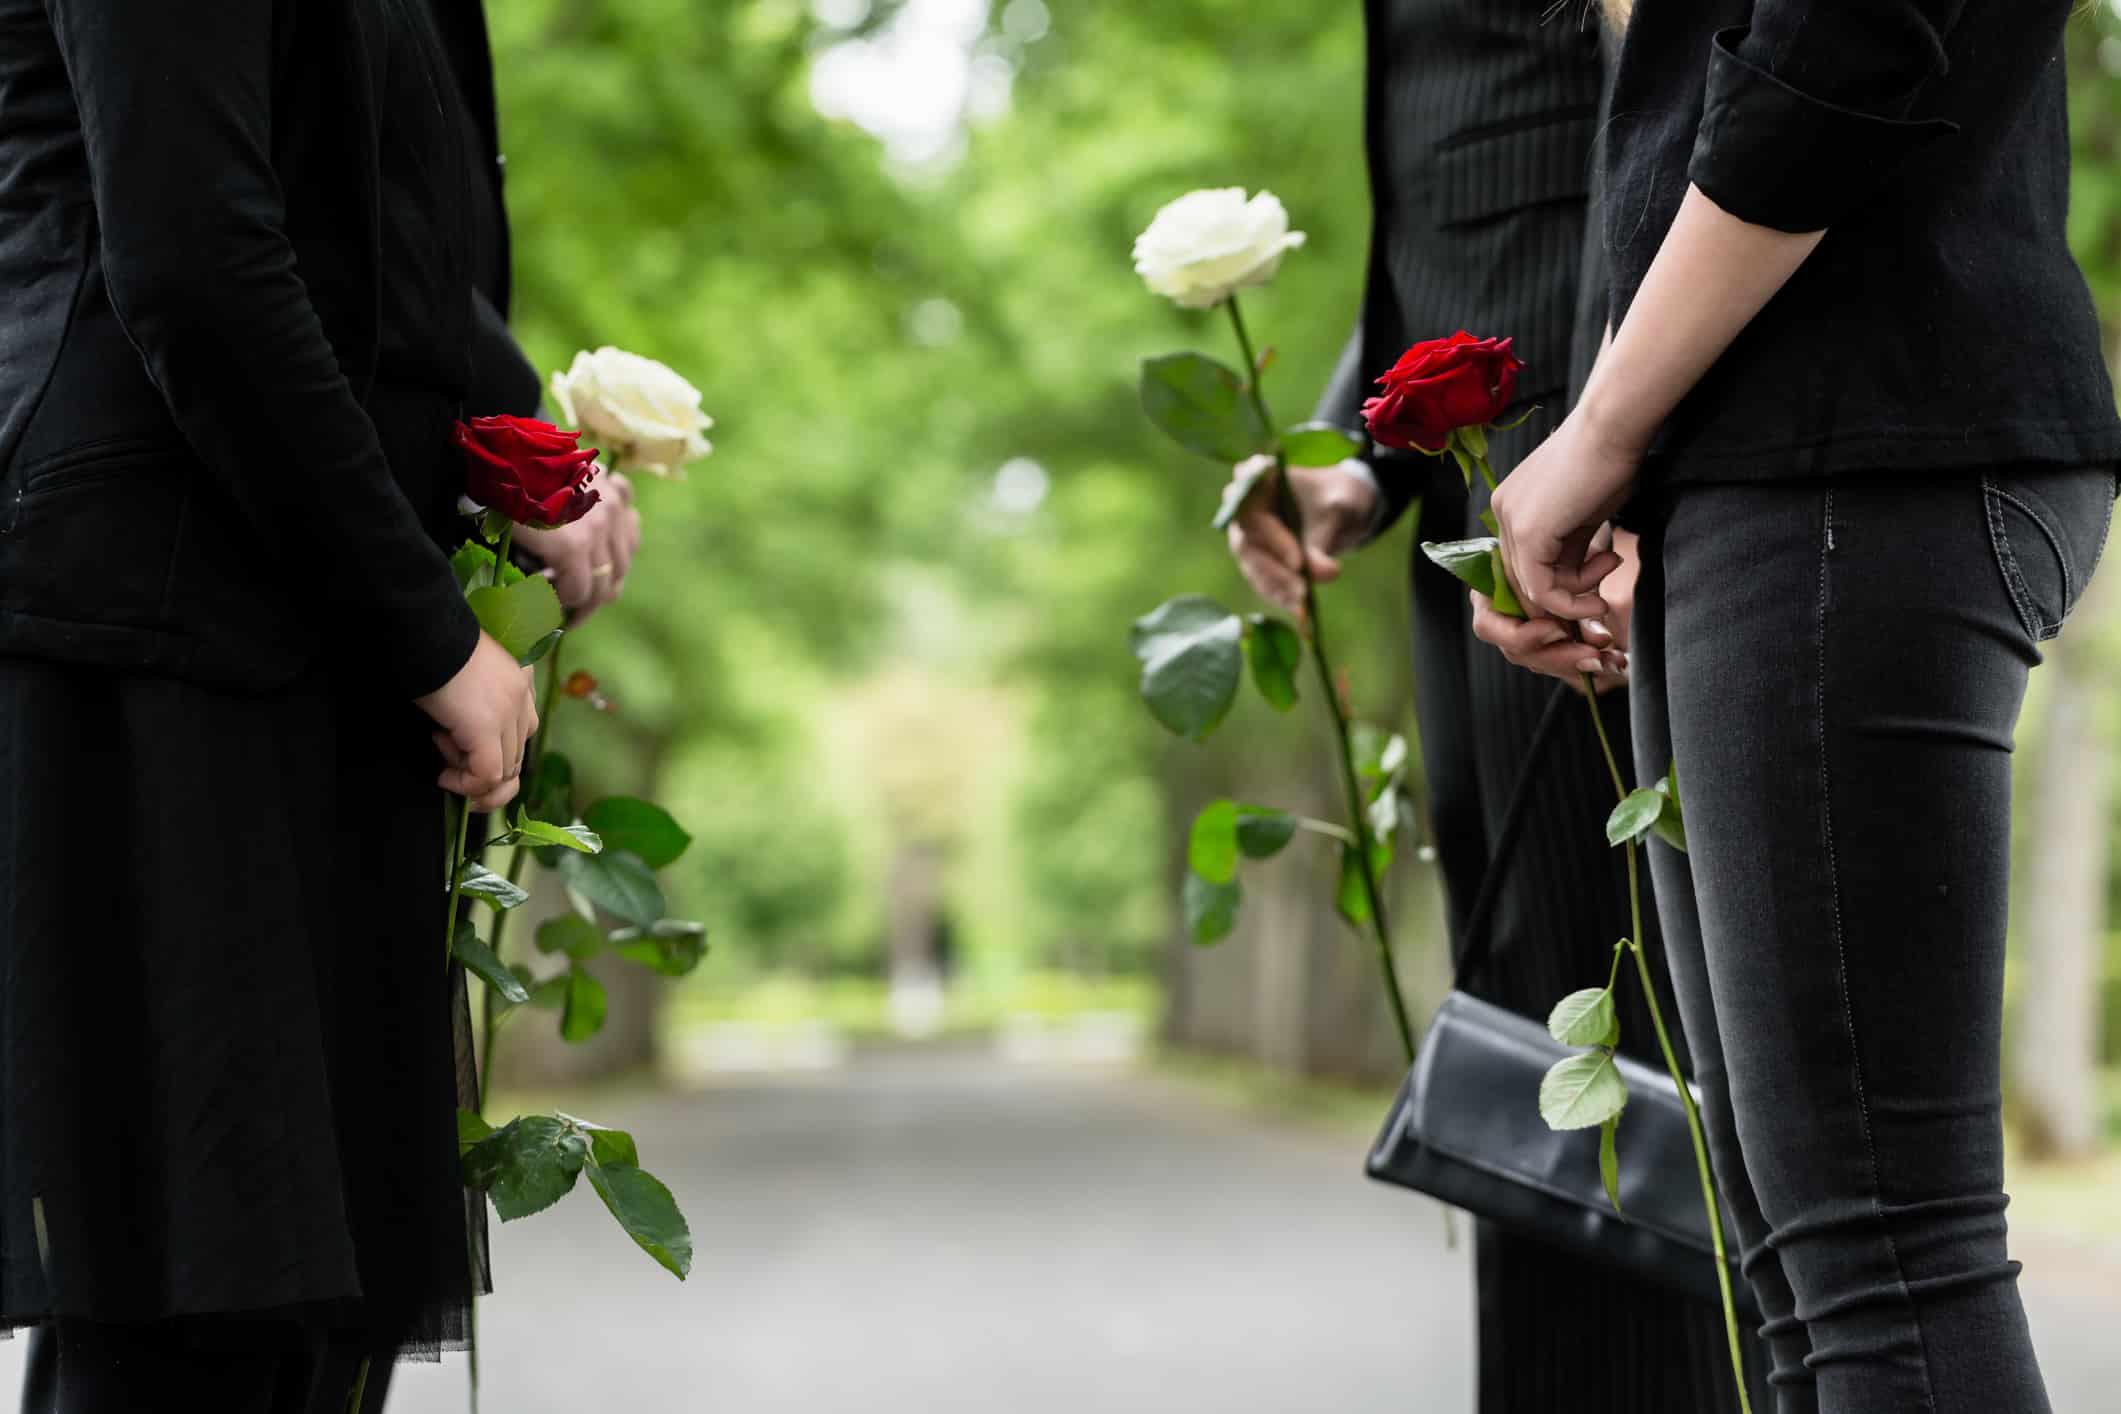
(1590, 665)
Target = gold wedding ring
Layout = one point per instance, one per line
(600, 571)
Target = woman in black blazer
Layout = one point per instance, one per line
(1855, 401)
(239, 315)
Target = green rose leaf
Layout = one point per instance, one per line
(1671, 821)
(645, 1209)
(1471, 562)
(1504, 596)
(1275, 652)
(527, 1165)
(1211, 849)
(610, 1147)
(1352, 896)
(671, 948)
(640, 826)
(542, 647)
(1464, 460)
(519, 615)
(1609, 1162)
(471, 1129)
(470, 949)
(1582, 1091)
(570, 934)
(550, 994)
(1585, 1018)
(1202, 406)
(582, 1015)
(579, 838)
(1634, 817)
(1262, 832)
(1319, 444)
(473, 566)
(1191, 652)
(1211, 908)
(1238, 490)
(617, 882)
(477, 881)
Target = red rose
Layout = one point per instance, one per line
(1440, 386)
(530, 471)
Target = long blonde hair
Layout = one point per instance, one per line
(1617, 12)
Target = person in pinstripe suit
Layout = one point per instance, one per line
(1481, 117)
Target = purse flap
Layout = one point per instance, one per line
(1473, 1096)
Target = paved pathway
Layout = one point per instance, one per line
(956, 1233)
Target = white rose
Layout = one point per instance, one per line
(1208, 245)
(634, 409)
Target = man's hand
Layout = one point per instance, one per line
(587, 560)
(1559, 649)
(1338, 503)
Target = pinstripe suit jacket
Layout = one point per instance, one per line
(1479, 122)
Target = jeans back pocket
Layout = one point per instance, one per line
(2048, 529)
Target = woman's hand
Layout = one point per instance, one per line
(1597, 647)
(588, 559)
(487, 713)
(1550, 510)
(1337, 504)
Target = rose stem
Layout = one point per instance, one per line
(1292, 515)
(533, 779)
(1671, 1063)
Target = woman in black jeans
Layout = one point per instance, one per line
(1854, 401)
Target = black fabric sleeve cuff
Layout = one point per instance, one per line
(1776, 157)
(1341, 404)
(424, 652)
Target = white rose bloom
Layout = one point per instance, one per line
(633, 409)
(1208, 245)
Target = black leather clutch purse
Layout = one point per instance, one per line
(1466, 1130)
(1466, 1127)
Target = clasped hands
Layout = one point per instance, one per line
(488, 712)
(1572, 570)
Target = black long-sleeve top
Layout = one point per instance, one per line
(1942, 323)
(189, 214)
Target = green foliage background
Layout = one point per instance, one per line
(836, 639)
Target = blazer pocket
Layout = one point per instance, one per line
(118, 554)
(92, 533)
(1495, 169)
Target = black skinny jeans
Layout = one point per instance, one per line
(1837, 668)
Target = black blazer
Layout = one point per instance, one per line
(1942, 323)
(1479, 122)
(188, 481)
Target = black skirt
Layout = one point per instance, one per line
(227, 1074)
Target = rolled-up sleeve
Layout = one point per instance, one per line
(1808, 106)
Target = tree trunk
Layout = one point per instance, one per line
(2055, 1043)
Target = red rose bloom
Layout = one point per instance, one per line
(530, 471)
(1440, 386)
